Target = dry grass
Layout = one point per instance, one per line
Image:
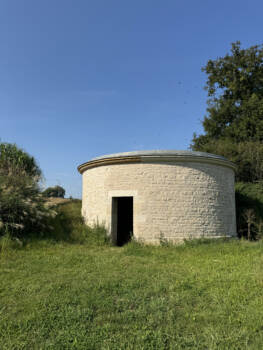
(54, 201)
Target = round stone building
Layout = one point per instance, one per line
(160, 195)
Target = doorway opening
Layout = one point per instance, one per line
(122, 220)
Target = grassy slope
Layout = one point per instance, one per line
(72, 296)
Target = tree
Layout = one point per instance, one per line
(17, 161)
(22, 209)
(234, 122)
(56, 191)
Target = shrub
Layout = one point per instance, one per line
(249, 205)
(22, 209)
(56, 191)
(248, 156)
(68, 225)
(16, 161)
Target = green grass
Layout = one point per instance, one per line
(64, 295)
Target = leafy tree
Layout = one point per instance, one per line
(234, 122)
(248, 156)
(56, 191)
(22, 209)
(17, 161)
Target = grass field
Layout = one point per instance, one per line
(202, 295)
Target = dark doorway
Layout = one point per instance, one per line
(122, 219)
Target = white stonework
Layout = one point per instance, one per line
(176, 195)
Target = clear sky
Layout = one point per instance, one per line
(83, 78)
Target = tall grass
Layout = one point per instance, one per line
(68, 225)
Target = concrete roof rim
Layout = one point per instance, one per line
(169, 152)
(202, 159)
(128, 159)
(104, 161)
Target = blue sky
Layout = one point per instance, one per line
(83, 78)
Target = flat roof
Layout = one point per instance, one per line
(155, 155)
(160, 153)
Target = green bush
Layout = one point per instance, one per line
(18, 162)
(56, 191)
(249, 206)
(68, 225)
(22, 209)
(248, 156)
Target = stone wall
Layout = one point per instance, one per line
(172, 200)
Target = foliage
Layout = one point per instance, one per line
(56, 191)
(9, 245)
(21, 206)
(248, 156)
(249, 205)
(235, 91)
(64, 296)
(22, 209)
(234, 122)
(16, 161)
(68, 225)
